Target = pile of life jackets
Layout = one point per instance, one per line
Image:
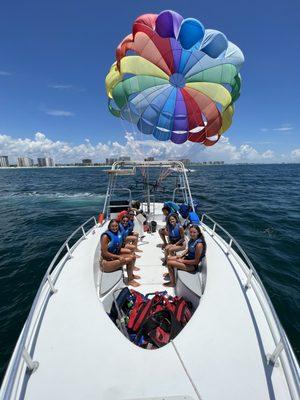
(152, 320)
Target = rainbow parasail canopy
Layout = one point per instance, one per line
(175, 80)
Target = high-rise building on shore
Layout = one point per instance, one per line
(45, 162)
(86, 162)
(124, 158)
(110, 161)
(25, 162)
(4, 161)
(185, 161)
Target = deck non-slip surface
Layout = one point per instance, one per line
(150, 264)
(219, 354)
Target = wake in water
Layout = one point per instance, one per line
(57, 195)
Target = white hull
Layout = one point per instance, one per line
(221, 353)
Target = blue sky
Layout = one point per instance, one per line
(54, 57)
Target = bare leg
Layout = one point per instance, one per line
(166, 275)
(172, 264)
(110, 266)
(131, 247)
(175, 248)
(131, 276)
(125, 251)
(128, 249)
(168, 250)
(133, 240)
(162, 234)
(171, 283)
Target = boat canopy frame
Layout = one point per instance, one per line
(124, 168)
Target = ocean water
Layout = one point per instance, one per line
(258, 204)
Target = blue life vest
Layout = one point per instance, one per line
(131, 226)
(115, 243)
(174, 232)
(125, 230)
(193, 218)
(184, 210)
(173, 207)
(192, 249)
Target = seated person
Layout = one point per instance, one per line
(192, 219)
(131, 216)
(113, 256)
(176, 237)
(190, 260)
(163, 231)
(139, 220)
(126, 229)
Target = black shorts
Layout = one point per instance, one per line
(195, 266)
(174, 241)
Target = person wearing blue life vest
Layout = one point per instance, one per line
(163, 231)
(192, 219)
(192, 257)
(175, 233)
(129, 239)
(113, 256)
(131, 216)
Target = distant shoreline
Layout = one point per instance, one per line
(109, 166)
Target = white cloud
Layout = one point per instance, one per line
(5, 73)
(66, 87)
(59, 113)
(295, 154)
(61, 87)
(282, 128)
(268, 154)
(63, 151)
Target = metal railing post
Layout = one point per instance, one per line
(31, 365)
(214, 229)
(83, 231)
(272, 358)
(249, 277)
(229, 246)
(52, 288)
(68, 250)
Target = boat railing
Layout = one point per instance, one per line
(179, 165)
(23, 351)
(282, 346)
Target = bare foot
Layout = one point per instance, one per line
(136, 277)
(169, 284)
(136, 268)
(133, 283)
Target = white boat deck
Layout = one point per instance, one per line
(150, 264)
(219, 354)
